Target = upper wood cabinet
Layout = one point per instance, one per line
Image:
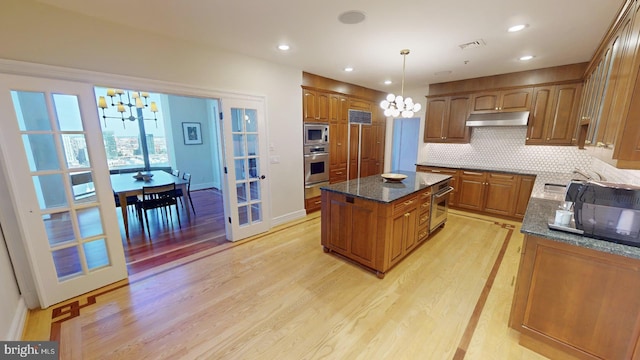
(315, 106)
(504, 100)
(554, 115)
(445, 119)
(611, 101)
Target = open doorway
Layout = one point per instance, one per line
(404, 151)
(180, 135)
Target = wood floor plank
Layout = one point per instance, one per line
(279, 296)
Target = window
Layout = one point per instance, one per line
(130, 120)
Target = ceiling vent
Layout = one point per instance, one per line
(472, 45)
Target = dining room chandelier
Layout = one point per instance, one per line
(125, 101)
(399, 105)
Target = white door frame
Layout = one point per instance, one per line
(100, 79)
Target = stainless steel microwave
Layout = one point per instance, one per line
(316, 134)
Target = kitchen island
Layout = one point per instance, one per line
(377, 223)
(575, 295)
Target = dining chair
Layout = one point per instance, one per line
(187, 176)
(158, 197)
(131, 201)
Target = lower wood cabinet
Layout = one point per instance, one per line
(576, 301)
(488, 192)
(312, 204)
(376, 235)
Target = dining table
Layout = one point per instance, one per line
(131, 184)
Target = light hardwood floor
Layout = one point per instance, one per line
(279, 296)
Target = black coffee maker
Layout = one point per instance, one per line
(606, 211)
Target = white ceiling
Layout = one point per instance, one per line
(559, 32)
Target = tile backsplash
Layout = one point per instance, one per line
(503, 147)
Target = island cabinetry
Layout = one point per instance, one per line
(454, 173)
(351, 228)
(577, 301)
(315, 106)
(503, 100)
(375, 234)
(404, 235)
(445, 119)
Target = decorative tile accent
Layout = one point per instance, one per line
(503, 147)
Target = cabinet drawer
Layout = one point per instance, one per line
(425, 206)
(424, 219)
(425, 196)
(404, 205)
(423, 233)
(313, 204)
(338, 175)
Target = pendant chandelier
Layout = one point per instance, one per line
(399, 105)
(125, 101)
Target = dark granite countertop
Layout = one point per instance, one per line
(376, 189)
(481, 168)
(541, 211)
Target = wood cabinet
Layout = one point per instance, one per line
(554, 115)
(579, 301)
(315, 106)
(445, 119)
(376, 235)
(352, 232)
(610, 106)
(503, 100)
(488, 192)
(525, 187)
(454, 173)
(338, 142)
(312, 204)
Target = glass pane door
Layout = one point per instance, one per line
(245, 155)
(58, 164)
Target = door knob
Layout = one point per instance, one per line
(262, 177)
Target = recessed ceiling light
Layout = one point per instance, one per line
(348, 69)
(515, 28)
(283, 47)
(526, 57)
(388, 82)
(351, 17)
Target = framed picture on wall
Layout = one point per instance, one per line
(192, 133)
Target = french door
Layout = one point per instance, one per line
(57, 171)
(247, 206)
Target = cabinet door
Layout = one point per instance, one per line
(455, 123)
(500, 194)
(515, 100)
(363, 233)
(309, 105)
(376, 159)
(354, 154)
(575, 298)
(337, 145)
(561, 128)
(315, 106)
(524, 193)
(472, 186)
(404, 234)
(338, 109)
(435, 118)
(541, 111)
(485, 102)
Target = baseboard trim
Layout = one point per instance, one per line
(18, 322)
(288, 217)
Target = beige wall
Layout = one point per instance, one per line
(37, 33)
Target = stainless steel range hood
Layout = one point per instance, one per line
(516, 118)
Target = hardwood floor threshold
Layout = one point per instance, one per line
(463, 346)
(72, 308)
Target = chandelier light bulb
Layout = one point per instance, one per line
(396, 105)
